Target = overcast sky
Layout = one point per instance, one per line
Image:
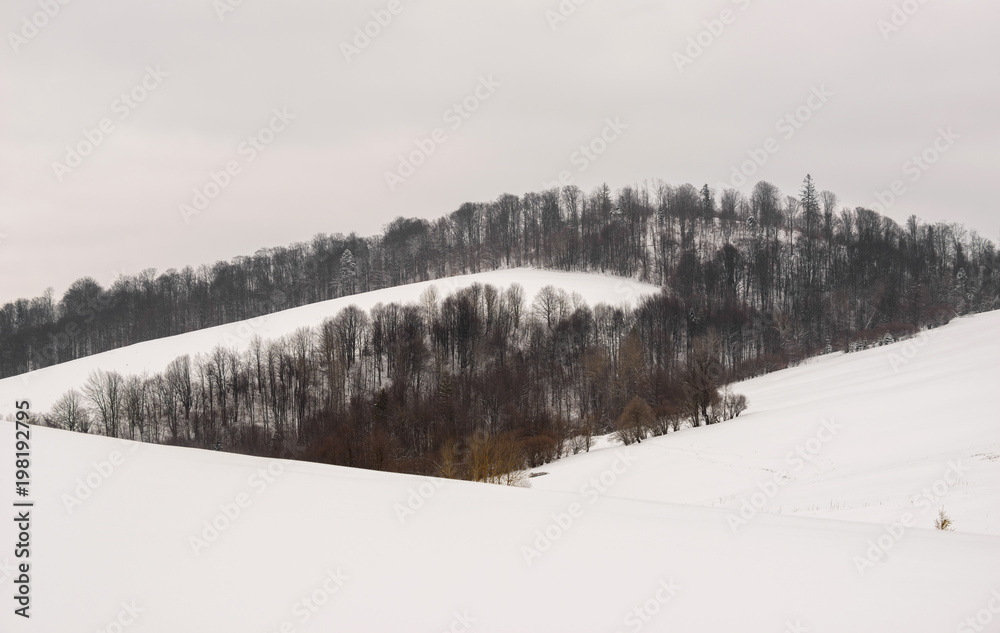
(180, 86)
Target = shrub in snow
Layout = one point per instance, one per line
(943, 522)
(634, 422)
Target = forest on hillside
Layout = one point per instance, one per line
(477, 384)
(817, 272)
(486, 381)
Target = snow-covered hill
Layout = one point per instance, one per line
(129, 537)
(911, 427)
(43, 387)
(201, 541)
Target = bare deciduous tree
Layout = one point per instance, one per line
(104, 389)
(70, 413)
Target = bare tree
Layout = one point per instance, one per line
(134, 398)
(178, 379)
(701, 390)
(104, 389)
(550, 305)
(70, 413)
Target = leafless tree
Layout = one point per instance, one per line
(70, 413)
(104, 389)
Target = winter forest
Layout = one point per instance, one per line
(486, 381)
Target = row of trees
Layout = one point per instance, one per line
(818, 272)
(480, 384)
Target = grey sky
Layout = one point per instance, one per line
(119, 210)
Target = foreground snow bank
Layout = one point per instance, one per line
(171, 539)
(874, 436)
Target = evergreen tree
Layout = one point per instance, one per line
(348, 273)
(707, 202)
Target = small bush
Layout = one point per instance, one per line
(940, 314)
(733, 404)
(943, 522)
(634, 422)
(881, 335)
(666, 417)
(581, 443)
(496, 459)
(539, 449)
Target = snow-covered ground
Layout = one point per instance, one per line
(129, 537)
(43, 387)
(300, 547)
(911, 427)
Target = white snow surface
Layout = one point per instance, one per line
(909, 427)
(308, 547)
(44, 386)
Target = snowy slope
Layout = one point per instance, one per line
(136, 538)
(906, 428)
(43, 387)
(314, 548)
